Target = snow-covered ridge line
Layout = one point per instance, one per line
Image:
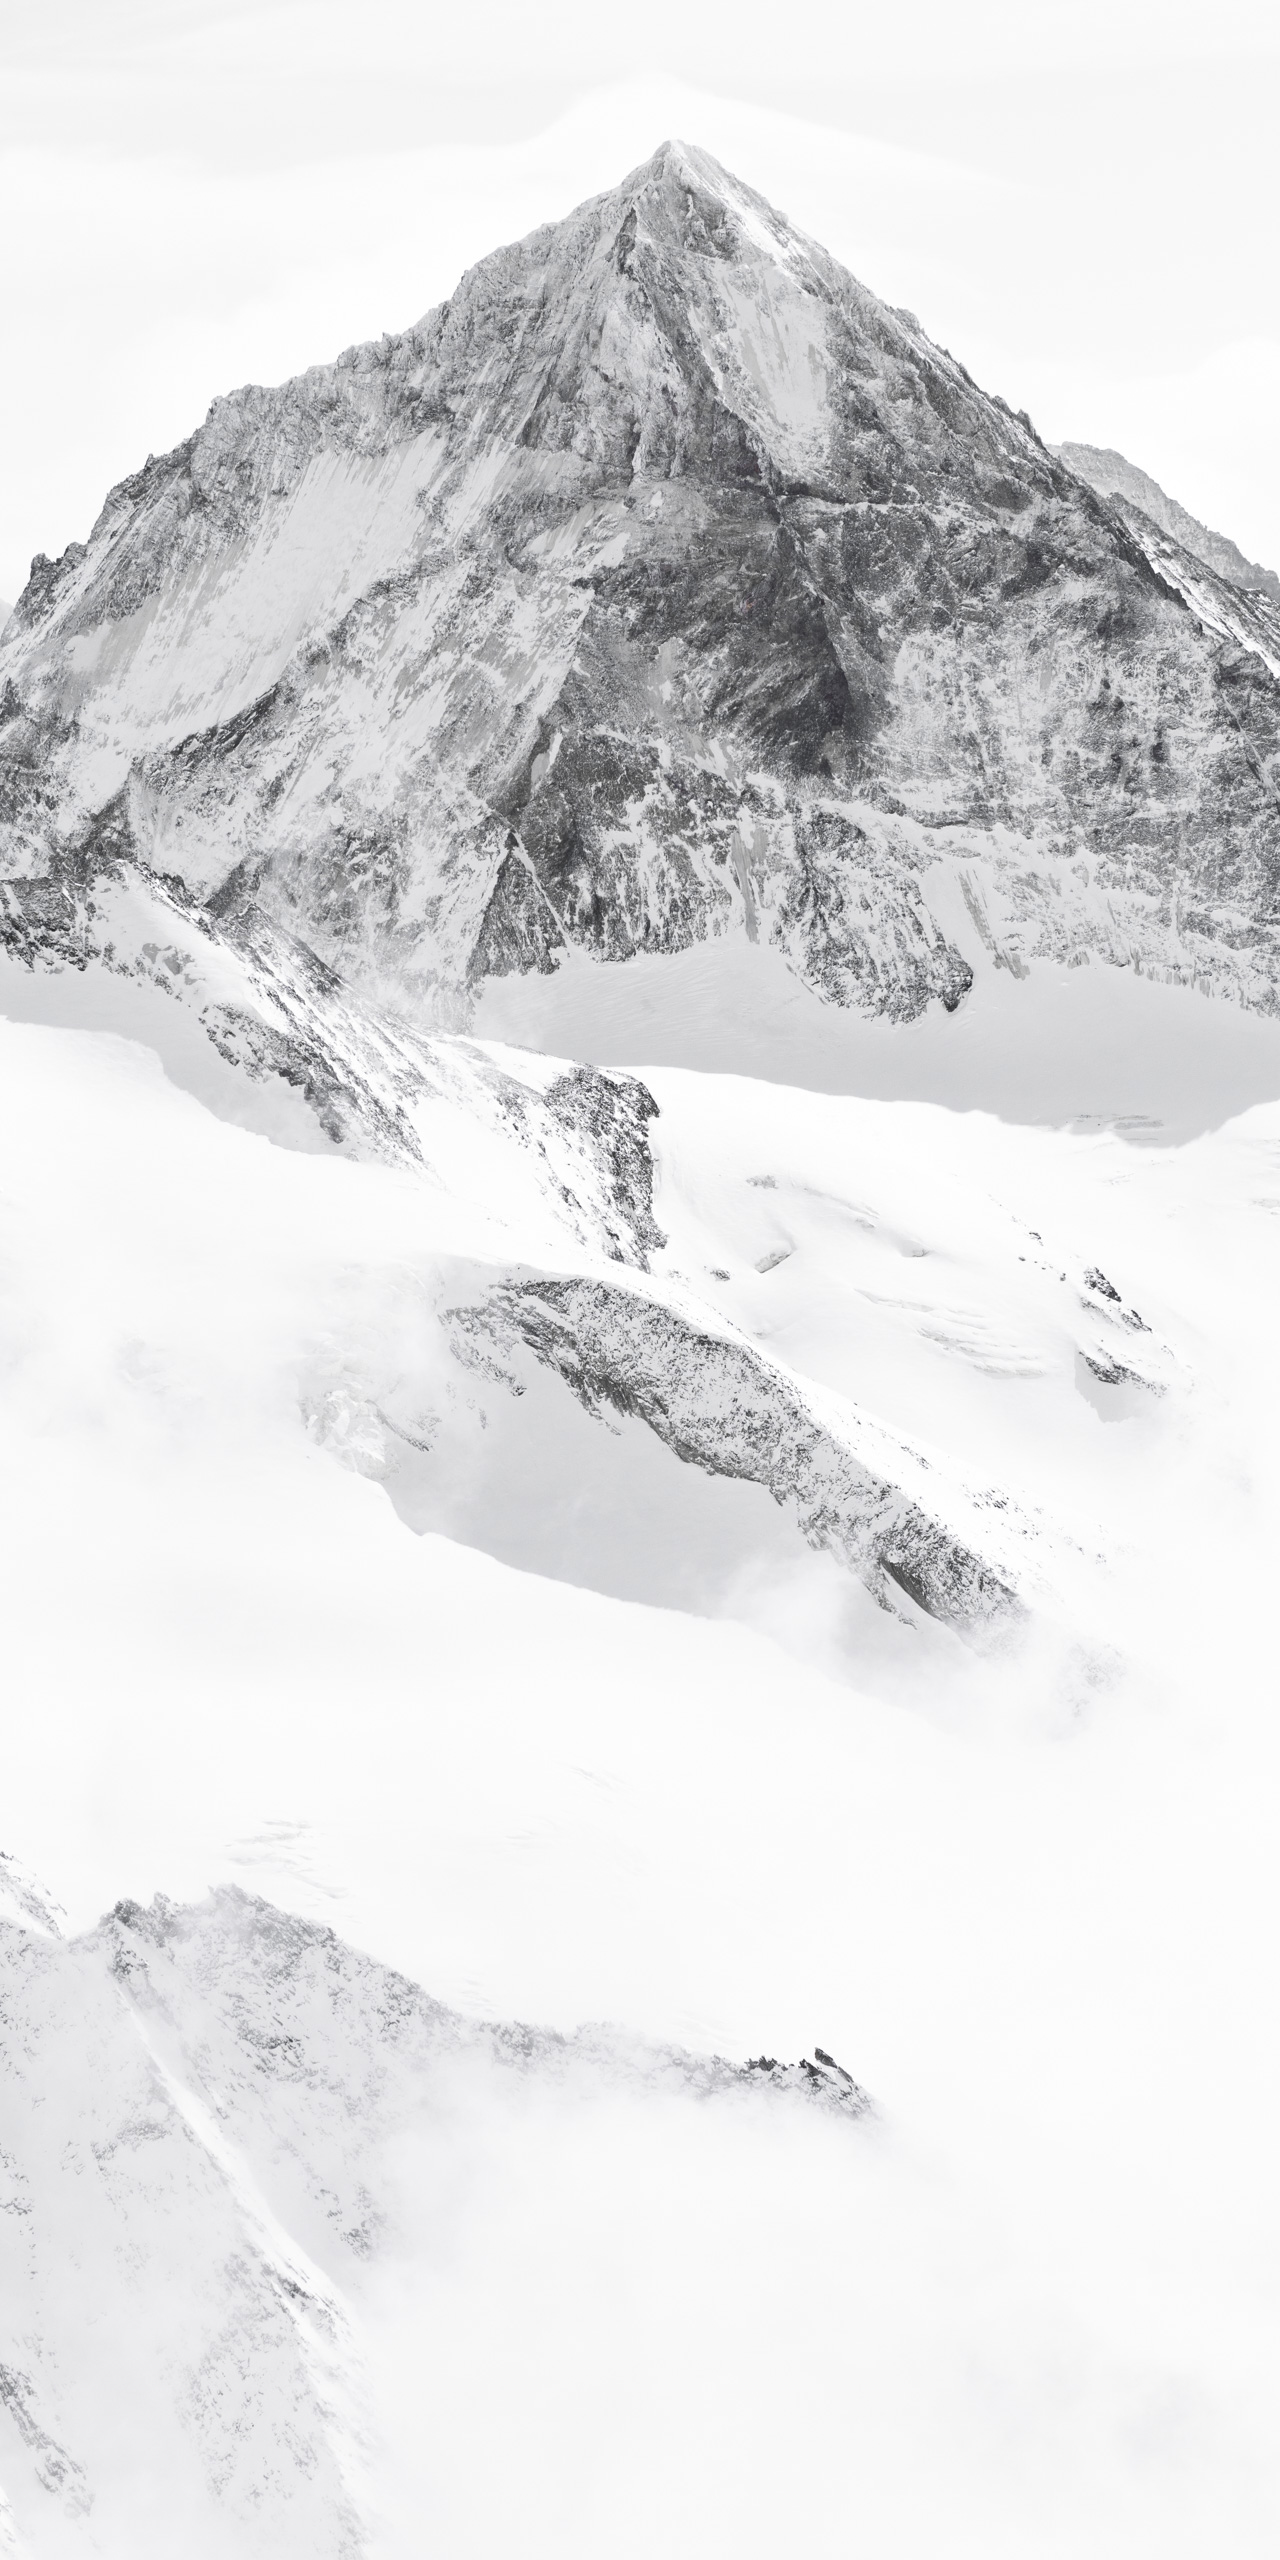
(1137, 493)
(208, 2112)
(714, 1399)
(275, 1015)
(1227, 610)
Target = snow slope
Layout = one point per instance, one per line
(440, 2287)
(1088, 1046)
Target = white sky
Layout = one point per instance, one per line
(1078, 200)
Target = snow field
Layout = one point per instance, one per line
(1028, 1900)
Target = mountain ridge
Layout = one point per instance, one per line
(1114, 476)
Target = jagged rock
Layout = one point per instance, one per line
(822, 2078)
(275, 1013)
(208, 2110)
(661, 584)
(721, 1404)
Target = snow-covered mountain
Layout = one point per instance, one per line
(637, 1846)
(663, 584)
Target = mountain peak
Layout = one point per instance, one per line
(677, 169)
(661, 585)
(673, 165)
(711, 208)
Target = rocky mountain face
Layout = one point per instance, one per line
(1136, 492)
(662, 584)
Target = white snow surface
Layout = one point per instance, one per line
(537, 1717)
(201, 655)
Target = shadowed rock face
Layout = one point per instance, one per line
(662, 583)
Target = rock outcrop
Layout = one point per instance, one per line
(723, 1405)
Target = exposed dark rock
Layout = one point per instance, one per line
(719, 1403)
(823, 2078)
(612, 1113)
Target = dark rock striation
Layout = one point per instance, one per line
(721, 1404)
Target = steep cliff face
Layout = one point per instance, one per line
(662, 584)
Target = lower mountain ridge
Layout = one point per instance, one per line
(1141, 497)
(208, 2135)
